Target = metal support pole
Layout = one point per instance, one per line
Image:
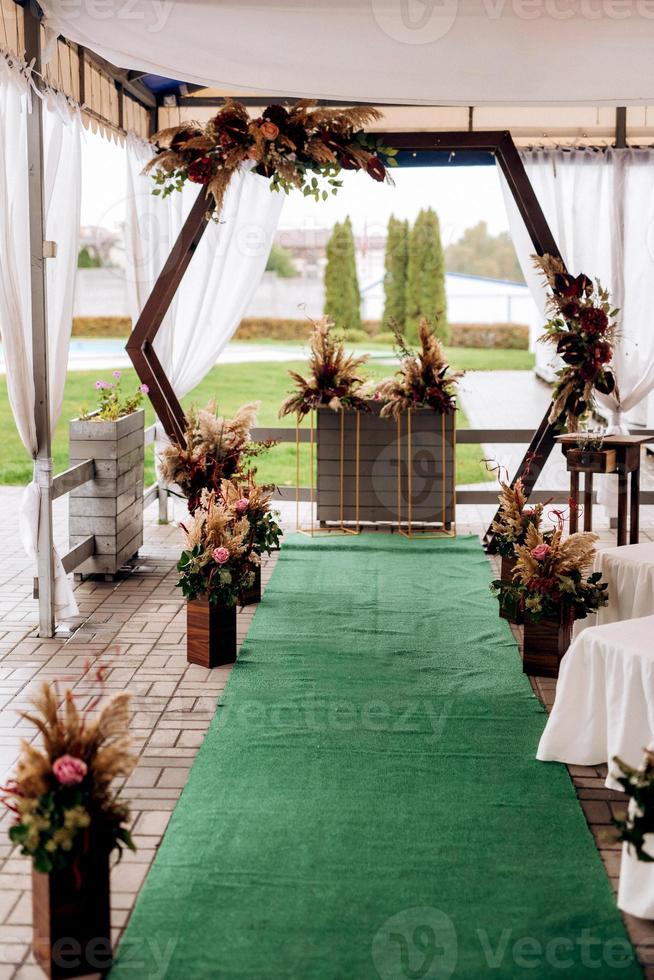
(43, 461)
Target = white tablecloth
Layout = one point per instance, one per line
(604, 698)
(636, 889)
(629, 572)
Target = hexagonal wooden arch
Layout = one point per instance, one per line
(140, 343)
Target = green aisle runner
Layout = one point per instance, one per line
(367, 803)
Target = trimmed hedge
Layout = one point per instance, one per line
(507, 336)
(499, 336)
(102, 326)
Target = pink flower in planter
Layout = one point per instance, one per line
(220, 555)
(115, 374)
(102, 384)
(242, 505)
(540, 551)
(69, 770)
(144, 389)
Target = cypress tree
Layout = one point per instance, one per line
(425, 295)
(342, 296)
(395, 266)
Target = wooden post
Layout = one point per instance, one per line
(43, 460)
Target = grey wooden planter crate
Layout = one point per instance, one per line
(110, 506)
(381, 452)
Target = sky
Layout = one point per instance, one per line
(461, 196)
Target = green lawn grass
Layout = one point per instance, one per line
(231, 385)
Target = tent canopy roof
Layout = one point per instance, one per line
(456, 52)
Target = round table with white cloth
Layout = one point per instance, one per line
(629, 573)
(636, 888)
(604, 702)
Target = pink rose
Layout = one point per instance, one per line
(540, 551)
(220, 555)
(269, 130)
(242, 505)
(68, 770)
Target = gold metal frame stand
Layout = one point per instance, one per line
(408, 530)
(313, 529)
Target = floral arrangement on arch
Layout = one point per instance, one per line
(550, 578)
(219, 559)
(638, 824)
(333, 378)
(514, 518)
(215, 448)
(303, 147)
(62, 793)
(424, 379)
(583, 329)
(114, 403)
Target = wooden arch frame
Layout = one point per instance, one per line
(140, 342)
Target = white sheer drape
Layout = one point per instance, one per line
(62, 161)
(222, 276)
(600, 206)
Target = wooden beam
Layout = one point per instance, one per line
(40, 374)
(140, 342)
(73, 477)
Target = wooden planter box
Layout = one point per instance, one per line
(110, 506)
(210, 633)
(253, 594)
(591, 460)
(544, 645)
(71, 924)
(381, 453)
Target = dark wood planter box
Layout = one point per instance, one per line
(253, 594)
(71, 923)
(591, 460)
(381, 452)
(543, 648)
(210, 633)
(505, 576)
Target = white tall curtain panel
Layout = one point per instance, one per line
(62, 161)
(223, 273)
(600, 209)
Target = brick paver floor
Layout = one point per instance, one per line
(136, 626)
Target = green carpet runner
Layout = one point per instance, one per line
(367, 803)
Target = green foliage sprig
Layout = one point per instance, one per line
(638, 784)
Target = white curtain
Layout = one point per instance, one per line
(600, 208)
(222, 276)
(451, 52)
(62, 163)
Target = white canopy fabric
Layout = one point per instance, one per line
(455, 52)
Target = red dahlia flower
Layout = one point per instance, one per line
(201, 170)
(593, 320)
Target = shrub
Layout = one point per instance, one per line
(353, 336)
(506, 336)
(342, 296)
(425, 277)
(102, 326)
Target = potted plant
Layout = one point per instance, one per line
(421, 396)
(549, 591)
(249, 499)
(110, 505)
(510, 527)
(216, 566)
(68, 821)
(216, 448)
